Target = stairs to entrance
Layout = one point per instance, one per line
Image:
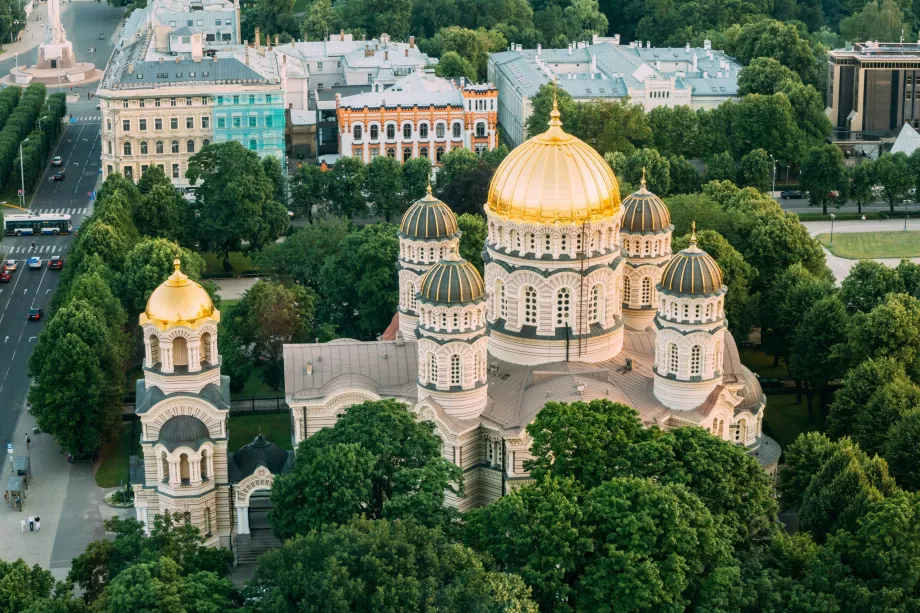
(248, 547)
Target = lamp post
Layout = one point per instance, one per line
(22, 175)
(833, 217)
(906, 205)
(774, 172)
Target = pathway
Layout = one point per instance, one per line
(233, 289)
(841, 266)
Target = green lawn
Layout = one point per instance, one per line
(785, 421)
(276, 427)
(861, 245)
(226, 305)
(114, 459)
(761, 363)
(215, 263)
(255, 387)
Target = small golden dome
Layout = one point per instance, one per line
(692, 272)
(428, 218)
(453, 280)
(178, 299)
(644, 212)
(554, 177)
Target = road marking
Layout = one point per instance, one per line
(7, 338)
(25, 291)
(32, 338)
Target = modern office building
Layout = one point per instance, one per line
(172, 88)
(699, 77)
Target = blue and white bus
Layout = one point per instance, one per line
(24, 225)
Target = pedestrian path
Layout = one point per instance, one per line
(89, 118)
(39, 249)
(61, 210)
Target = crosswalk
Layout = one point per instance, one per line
(90, 118)
(67, 211)
(39, 249)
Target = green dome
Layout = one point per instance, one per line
(453, 280)
(691, 272)
(644, 212)
(427, 219)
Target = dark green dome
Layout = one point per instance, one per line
(183, 429)
(453, 280)
(692, 271)
(427, 219)
(644, 212)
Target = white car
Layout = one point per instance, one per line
(57, 161)
(35, 263)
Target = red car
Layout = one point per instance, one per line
(5, 277)
(56, 262)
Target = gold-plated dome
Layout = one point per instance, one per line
(428, 218)
(179, 299)
(692, 272)
(453, 280)
(644, 212)
(554, 177)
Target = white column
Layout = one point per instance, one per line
(166, 355)
(194, 469)
(142, 517)
(148, 356)
(175, 477)
(242, 517)
(194, 355)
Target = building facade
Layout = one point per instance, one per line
(169, 90)
(557, 317)
(698, 77)
(420, 115)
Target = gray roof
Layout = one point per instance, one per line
(185, 31)
(260, 452)
(146, 398)
(766, 451)
(405, 99)
(182, 429)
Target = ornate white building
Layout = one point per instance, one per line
(582, 300)
(183, 403)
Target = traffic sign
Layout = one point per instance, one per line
(20, 192)
(9, 448)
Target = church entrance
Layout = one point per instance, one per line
(54, 63)
(259, 505)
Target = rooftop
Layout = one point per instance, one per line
(876, 50)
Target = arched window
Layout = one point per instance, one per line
(432, 369)
(444, 321)
(721, 428)
(164, 467)
(423, 152)
(207, 521)
(127, 148)
(455, 371)
(597, 241)
(456, 321)
(439, 130)
(154, 351)
(515, 240)
(696, 360)
(610, 238)
(206, 347)
(564, 307)
(578, 248)
(673, 361)
(375, 132)
(203, 466)
(190, 146)
(500, 306)
(184, 474)
(466, 320)
(357, 131)
(686, 312)
(531, 242)
(174, 146)
(180, 351)
(391, 132)
(143, 147)
(407, 131)
(708, 310)
(205, 142)
(594, 313)
(696, 312)
(646, 290)
(717, 357)
(431, 254)
(480, 130)
(457, 128)
(741, 431)
(529, 304)
(477, 366)
(159, 147)
(627, 290)
(547, 244)
(563, 244)
(413, 299)
(407, 153)
(423, 131)
(438, 153)
(645, 249)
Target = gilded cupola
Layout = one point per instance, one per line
(178, 300)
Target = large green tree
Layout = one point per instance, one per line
(300, 258)
(822, 173)
(861, 184)
(159, 587)
(892, 172)
(867, 284)
(473, 238)
(876, 21)
(149, 264)
(346, 188)
(309, 188)
(384, 186)
(764, 75)
(822, 327)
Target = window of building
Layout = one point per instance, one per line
(375, 132)
(174, 146)
(190, 146)
(686, 312)
(109, 146)
(438, 153)
(564, 243)
(547, 243)
(456, 322)
(143, 147)
(594, 305)
(205, 142)
(175, 171)
(189, 123)
(457, 130)
(156, 102)
(172, 101)
(127, 148)
(237, 122)
(423, 152)
(673, 361)
(627, 290)
(423, 131)
(158, 124)
(391, 132)
(159, 146)
(269, 121)
(142, 125)
(696, 359)
(236, 100)
(646, 290)
(432, 369)
(252, 121)
(455, 371)
(374, 153)
(126, 125)
(357, 133)
(225, 36)
(253, 145)
(217, 22)
(391, 152)
(407, 153)
(477, 366)
(188, 101)
(174, 123)
(564, 307)
(439, 130)
(124, 104)
(268, 98)
(252, 99)
(205, 122)
(480, 130)
(144, 168)
(108, 125)
(407, 131)
(530, 306)
(141, 102)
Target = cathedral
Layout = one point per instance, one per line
(582, 299)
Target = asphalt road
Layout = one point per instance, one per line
(80, 148)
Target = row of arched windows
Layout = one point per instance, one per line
(684, 311)
(425, 255)
(424, 130)
(455, 368)
(183, 472)
(645, 291)
(180, 350)
(644, 246)
(539, 244)
(697, 355)
(564, 311)
(158, 147)
(410, 296)
(453, 322)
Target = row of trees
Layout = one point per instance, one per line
(40, 143)
(20, 123)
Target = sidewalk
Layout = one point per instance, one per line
(233, 289)
(34, 33)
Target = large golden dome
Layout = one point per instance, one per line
(178, 299)
(554, 177)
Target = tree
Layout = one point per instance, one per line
(105, 241)
(452, 65)
(317, 24)
(892, 329)
(808, 111)
(804, 458)
(300, 258)
(272, 17)
(768, 123)
(474, 231)
(415, 180)
(612, 125)
(542, 103)
(777, 241)
(474, 45)
(721, 167)
(161, 213)
(861, 183)
(149, 264)
(235, 201)
(384, 186)
(876, 21)
(346, 185)
(823, 172)
(867, 284)
(464, 178)
(381, 567)
(675, 130)
(684, 177)
(756, 170)
(764, 75)
(268, 316)
(655, 168)
(22, 585)
(275, 173)
(153, 176)
(892, 172)
(158, 587)
(823, 326)
(358, 285)
(859, 387)
(890, 402)
(309, 187)
(902, 450)
(377, 461)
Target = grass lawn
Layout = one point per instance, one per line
(276, 427)
(114, 459)
(255, 387)
(785, 421)
(226, 305)
(861, 245)
(761, 363)
(215, 263)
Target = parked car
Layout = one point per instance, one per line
(35, 263)
(10, 265)
(56, 262)
(5, 277)
(35, 314)
(791, 195)
(57, 161)
(58, 176)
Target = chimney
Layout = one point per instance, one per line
(694, 62)
(341, 35)
(593, 65)
(177, 60)
(705, 74)
(639, 44)
(719, 74)
(570, 48)
(407, 52)
(258, 37)
(707, 44)
(411, 42)
(386, 55)
(539, 49)
(687, 48)
(648, 44)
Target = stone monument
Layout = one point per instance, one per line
(57, 64)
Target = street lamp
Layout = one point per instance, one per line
(774, 172)
(906, 205)
(833, 217)
(22, 175)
